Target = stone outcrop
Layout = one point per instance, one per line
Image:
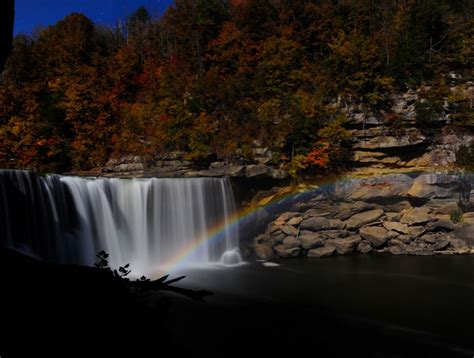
(401, 216)
(399, 143)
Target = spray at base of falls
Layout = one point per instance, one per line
(144, 222)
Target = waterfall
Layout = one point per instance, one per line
(144, 222)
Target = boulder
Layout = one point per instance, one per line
(278, 236)
(344, 211)
(429, 186)
(376, 235)
(396, 226)
(430, 238)
(419, 249)
(364, 218)
(440, 225)
(465, 233)
(283, 252)
(263, 252)
(391, 216)
(457, 244)
(252, 171)
(289, 230)
(416, 231)
(345, 246)
(398, 249)
(364, 247)
(387, 141)
(388, 186)
(398, 207)
(322, 252)
(295, 221)
(468, 218)
(311, 241)
(448, 208)
(315, 224)
(416, 216)
(225, 171)
(291, 242)
(441, 245)
(283, 218)
(406, 239)
(336, 224)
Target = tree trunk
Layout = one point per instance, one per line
(7, 16)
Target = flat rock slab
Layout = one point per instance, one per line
(364, 218)
(376, 235)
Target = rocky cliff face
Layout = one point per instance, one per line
(378, 145)
(402, 144)
(396, 214)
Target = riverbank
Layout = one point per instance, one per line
(399, 214)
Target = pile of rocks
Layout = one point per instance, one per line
(402, 216)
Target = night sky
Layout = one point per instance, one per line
(31, 14)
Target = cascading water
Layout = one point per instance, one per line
(144, 222)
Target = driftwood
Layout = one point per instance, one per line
(145, 285)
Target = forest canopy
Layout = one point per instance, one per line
(212, 76)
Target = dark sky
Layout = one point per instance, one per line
(33, 13)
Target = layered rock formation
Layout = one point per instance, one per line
(401, 143)
(395, 214)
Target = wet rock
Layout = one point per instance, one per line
(320, 252)
(315, 224)
(376, 235)
(364, 218)
(364, 247)
(263, 252)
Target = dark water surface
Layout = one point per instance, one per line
(376, 305)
